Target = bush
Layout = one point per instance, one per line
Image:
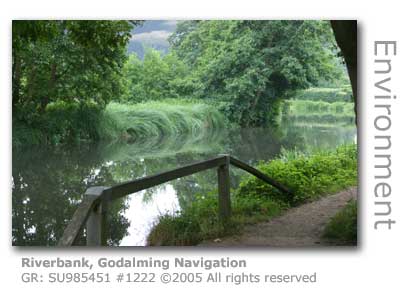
(72, 121)
(343, 226)
(61, 123)
(309, 177)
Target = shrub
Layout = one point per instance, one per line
(309, 177)
(72, 121)
(62, 122)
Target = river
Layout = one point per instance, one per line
(48, 183)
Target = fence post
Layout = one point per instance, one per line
(96, 223)
(223, 179)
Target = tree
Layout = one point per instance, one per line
(156, 77)
(64, 73)
(345, 32)
(251, 64)
(73, 61)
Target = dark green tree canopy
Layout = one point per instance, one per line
(67, 60)
(253, 63)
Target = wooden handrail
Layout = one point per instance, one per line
(92, 210)
(259, 175)
(139, 184)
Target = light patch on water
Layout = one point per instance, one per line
(93, 175)
(109, 163)
(143, 214)
(32, 230)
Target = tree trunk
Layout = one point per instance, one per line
(51, 86)
(16, 80)
(345, 32)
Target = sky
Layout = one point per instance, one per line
(152, 33)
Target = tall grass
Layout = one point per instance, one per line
(158, 120)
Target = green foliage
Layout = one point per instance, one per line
(250, 64)
(343, 94)
(308, 176)
(342, 228)
(71, 60)
(70, 122)
(200, 220)
(155, 77)
(61, 123)
(157, 120)
(67, 62)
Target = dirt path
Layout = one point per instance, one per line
(298, 227)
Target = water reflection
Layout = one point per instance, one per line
(48, 183)
(142, 213)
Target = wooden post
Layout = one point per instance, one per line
(96, 223)
(223, 179)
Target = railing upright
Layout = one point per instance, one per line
(96, 222)
(223, 179)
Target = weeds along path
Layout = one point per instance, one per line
(298, 227)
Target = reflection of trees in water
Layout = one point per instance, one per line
(309, 137)
(49, 183)
(254, 144)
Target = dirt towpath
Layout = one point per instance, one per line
(301, 226)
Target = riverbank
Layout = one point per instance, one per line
(158, 120)
(302, 226)
(71, 123)
(308, 176)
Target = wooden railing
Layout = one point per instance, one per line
(92, 212)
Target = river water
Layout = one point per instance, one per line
(48, 183)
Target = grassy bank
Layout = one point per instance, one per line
(308, 176)
(147, 123)
(342, 228)
(330, 95)
(308, 111)
(158, 120)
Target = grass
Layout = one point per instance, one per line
(343, 94)
(200, 221)
(147, 124)
(308, 111)
(342, 228)
(308, 176)
(156, 120)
